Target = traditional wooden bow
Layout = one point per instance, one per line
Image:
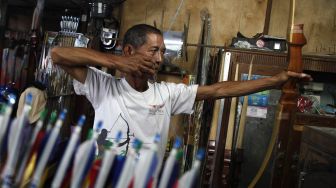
(284, 172)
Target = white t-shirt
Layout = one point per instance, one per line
(136, 114)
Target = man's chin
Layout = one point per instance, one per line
(145, 77)
(152, 77)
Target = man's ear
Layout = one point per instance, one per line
(128, 50)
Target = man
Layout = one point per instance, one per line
(133, 104)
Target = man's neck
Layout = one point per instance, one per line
(138, 83)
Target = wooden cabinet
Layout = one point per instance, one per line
(317, 162)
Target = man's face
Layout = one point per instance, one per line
(154, 47)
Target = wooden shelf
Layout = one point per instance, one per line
(311, 62)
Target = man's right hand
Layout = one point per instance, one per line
(75, 62)
(137, 65)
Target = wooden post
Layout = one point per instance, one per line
(3, 12)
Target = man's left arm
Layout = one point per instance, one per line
(241, 88)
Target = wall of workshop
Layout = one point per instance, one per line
(227, 17)
(230, 16)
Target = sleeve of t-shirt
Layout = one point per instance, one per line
(182, 98)
(95, 87)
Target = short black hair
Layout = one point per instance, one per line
(137, 34)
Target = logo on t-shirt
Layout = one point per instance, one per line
(127, 135)
(156, 109)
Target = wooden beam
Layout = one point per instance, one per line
(268, 17)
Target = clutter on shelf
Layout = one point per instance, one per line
(260, 42)
(318, 98)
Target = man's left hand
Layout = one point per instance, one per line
(286, 75)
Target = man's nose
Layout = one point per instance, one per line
(158, 57)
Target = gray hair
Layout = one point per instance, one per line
(137, 35)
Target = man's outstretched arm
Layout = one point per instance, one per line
(75, 61)
(240, 88)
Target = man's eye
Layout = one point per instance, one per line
(153, 52)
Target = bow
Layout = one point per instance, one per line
(284, 172)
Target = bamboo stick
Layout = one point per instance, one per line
(243, 114)
(232, 117)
